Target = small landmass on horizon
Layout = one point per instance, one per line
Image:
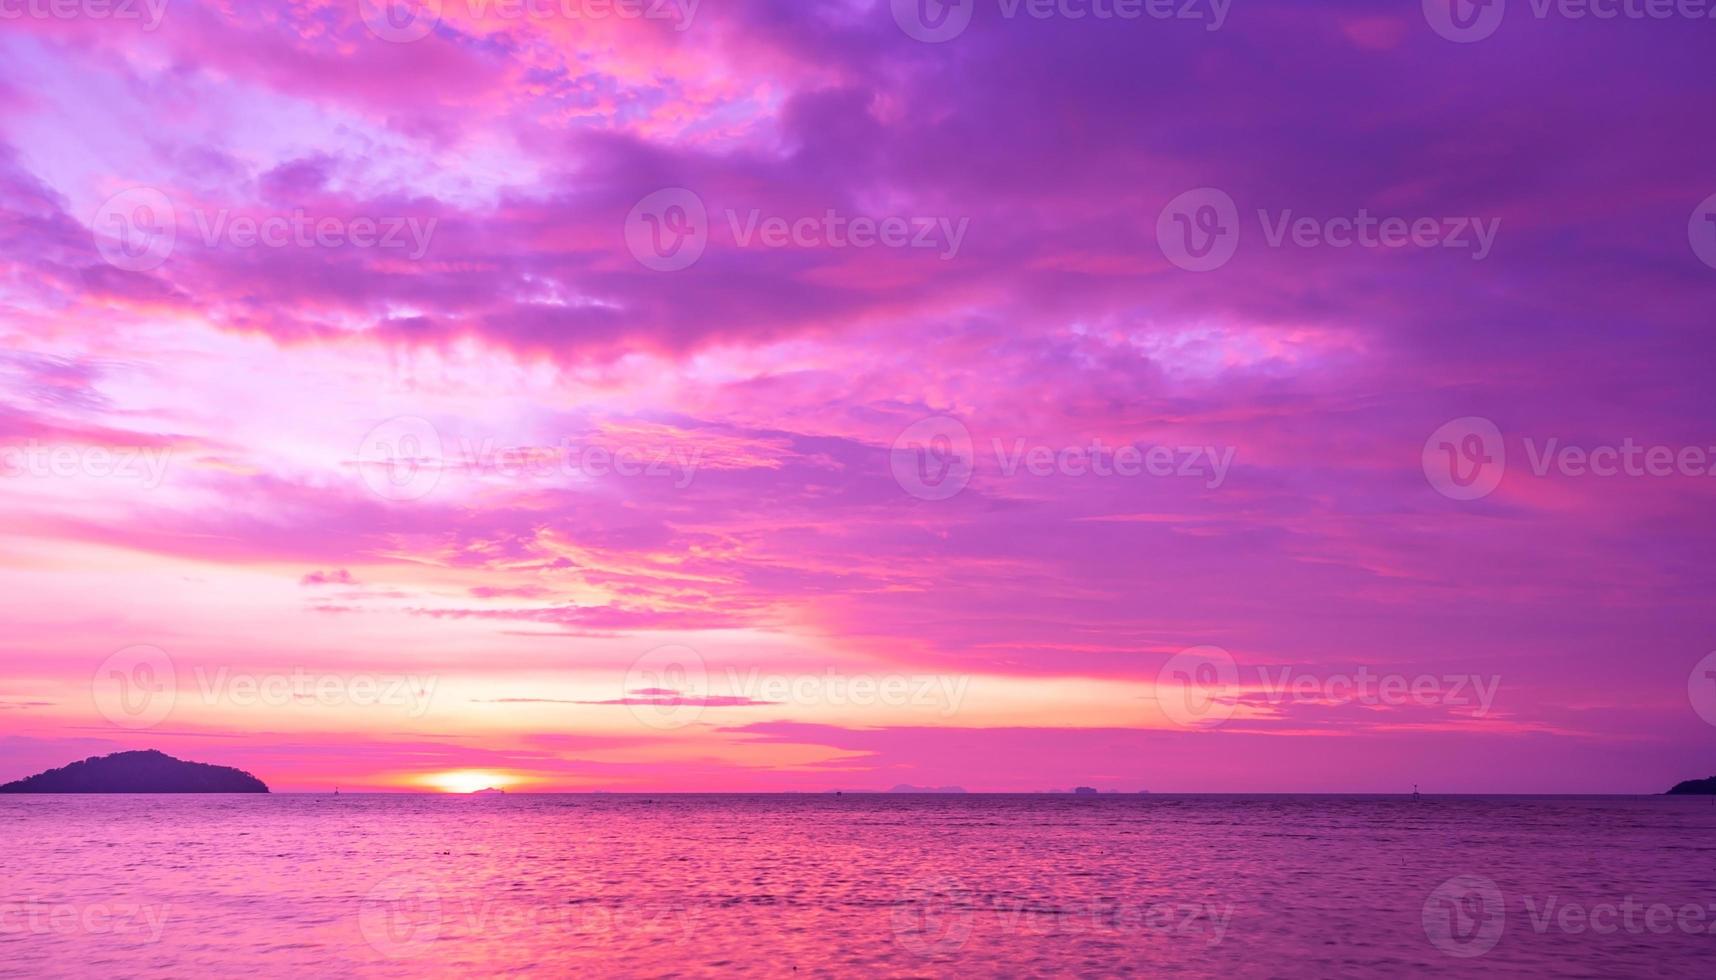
(1694, 787)
(144, 771)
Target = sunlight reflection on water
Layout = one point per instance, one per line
(1253, 886)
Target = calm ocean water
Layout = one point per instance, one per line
(859, 884)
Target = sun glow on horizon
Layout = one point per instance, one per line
(469, 780)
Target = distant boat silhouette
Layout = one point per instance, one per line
(490, 791)
(1415, 797)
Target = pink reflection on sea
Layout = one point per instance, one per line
(871, 884)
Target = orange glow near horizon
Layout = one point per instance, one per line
(469, 780)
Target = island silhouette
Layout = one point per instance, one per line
(1694, 787)
(144, 771)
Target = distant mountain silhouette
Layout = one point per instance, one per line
(1085, 790)
(147, 771)
(908, 788)
(1694, 787)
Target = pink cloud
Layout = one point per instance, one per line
(760, 391)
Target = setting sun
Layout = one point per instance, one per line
(469, 780)
(858, 487)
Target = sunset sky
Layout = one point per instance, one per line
(794, 395)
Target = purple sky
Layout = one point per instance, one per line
(769, 394)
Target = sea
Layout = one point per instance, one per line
(603, 885)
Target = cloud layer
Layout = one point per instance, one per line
(997, 369)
